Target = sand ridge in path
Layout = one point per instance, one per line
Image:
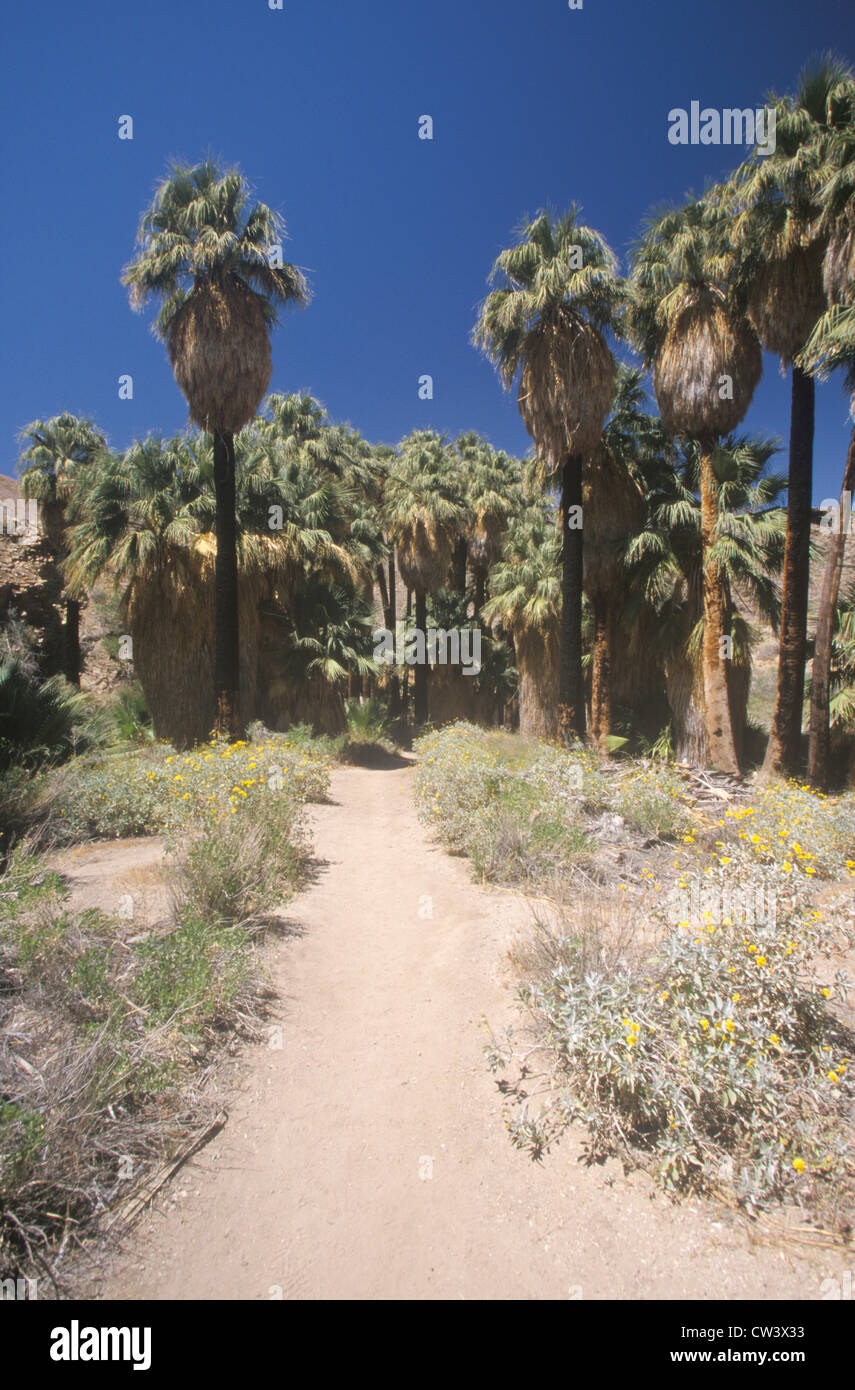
(368, 1157)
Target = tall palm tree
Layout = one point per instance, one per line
(613, 501)
(493, 482)
(842, 702)
(525, 601)
(54, 451)
(664, 560)
(557, 293)
(706, 361)
(831, 345)
(782, 241)
(425, 512)
(148, 519)
(385, 572)
(205, 255)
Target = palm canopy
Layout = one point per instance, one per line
(557, 291)
(832, 345)
(613, 482)
(53, 451)
(425, 508)
(155, 505)
(790, 185)
(747, 543)
(207, 256)
(493, 482)
(631, 435)
(842, 701)
(526, 583)
(777, 223)
(331, 636)
(687, 320)
(137, 511)
(201, 230)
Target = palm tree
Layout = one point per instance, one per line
(206, 256)
(831, 345)
(385, 573)
(613, 501)
(49, 466)
(842, 703)
(327, 636)
(782, 241)
(706, 364)
(425, 512)
(493, 482)
(665, 561)
(558, 291)
(525, 601)
(148, 521)
(137, 526)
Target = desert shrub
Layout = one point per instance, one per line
(520, 811)
(804, 832)
(240, 875)
(717, 1060)
(652, 799)
(157, 790)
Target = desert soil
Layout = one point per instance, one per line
(367, 1156)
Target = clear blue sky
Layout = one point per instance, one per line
(533, 103)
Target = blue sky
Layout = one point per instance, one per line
(533, 104)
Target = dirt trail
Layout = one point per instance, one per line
(318, 1187)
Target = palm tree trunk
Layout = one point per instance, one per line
(536, 654)
(226, 660)
(601, 679)
(719, 718)
(459, 566)
(480, 589)
(72, 641)
(391, 624)
(571, 691)
(686, 700)
(420, 670)
(384, 593)
(818, 743)
(783, 754)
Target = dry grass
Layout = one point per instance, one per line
(111, 1036)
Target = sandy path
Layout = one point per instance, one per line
(315, 1188)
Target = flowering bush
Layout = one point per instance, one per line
(717, 1061)
(712, 1048)
(155, 790)
(802, 831)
